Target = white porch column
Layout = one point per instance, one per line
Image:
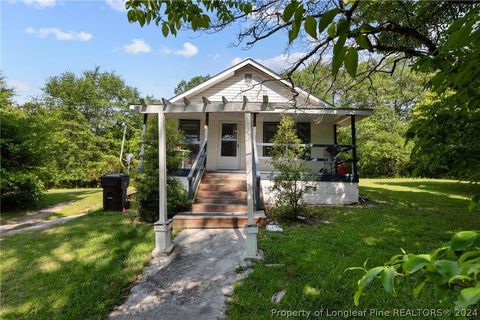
(251, 229)
(163, 227)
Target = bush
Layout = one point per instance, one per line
(20, 190)
(289, 170)
(147, 182)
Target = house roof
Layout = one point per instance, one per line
(231, 72)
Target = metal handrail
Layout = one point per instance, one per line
(196, 171)
(257, 178)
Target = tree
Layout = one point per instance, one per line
(86, 113)
(289, 168)
(184, 85)
(20, 186)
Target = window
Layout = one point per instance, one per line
(270, 128)
(248, 78)
(191, 129)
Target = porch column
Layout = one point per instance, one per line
(354, 145)
(251, 229)
(163, 227)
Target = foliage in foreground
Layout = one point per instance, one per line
(452, 269)
(289, 170)
(147, 182)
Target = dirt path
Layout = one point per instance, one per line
(35, 220)
(192, 283)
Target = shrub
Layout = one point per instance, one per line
(147, 182)
(289, 170)
(20, 190)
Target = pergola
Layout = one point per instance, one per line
(163, 227)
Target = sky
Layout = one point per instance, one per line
(44, 38)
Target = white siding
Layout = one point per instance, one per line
(235, 87)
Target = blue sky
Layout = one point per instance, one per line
(43, 38)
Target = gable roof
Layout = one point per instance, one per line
(231, 72)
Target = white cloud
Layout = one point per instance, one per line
(188, 50)
(40, 3)
(138, 46)
(59, 34)
(117, 5)
(18, 86)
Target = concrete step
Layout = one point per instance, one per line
(223, 187)
(218, 207)
(221, 220)
(222, 194)
(221, 200)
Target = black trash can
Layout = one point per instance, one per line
(115, 191)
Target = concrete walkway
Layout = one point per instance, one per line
(192, 282)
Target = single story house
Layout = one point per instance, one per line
(229, 121)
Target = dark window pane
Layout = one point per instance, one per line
(270, 129)
(191, 128)
(229, 149)
(229, 131)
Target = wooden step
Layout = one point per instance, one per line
(221, 200)
(221, 220)
(224, 175)
(224, 187)
(222, 194)
(218, 207)
(222, 180)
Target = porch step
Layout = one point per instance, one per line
(208, 220)
(237, 186)
(241, 195)
(221, 200)
(218, 207)
(224, 175)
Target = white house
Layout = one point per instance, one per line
(229, 121)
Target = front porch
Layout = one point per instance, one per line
(220, 147)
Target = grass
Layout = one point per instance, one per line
(82, 200)
(78, 270)
(416, 215)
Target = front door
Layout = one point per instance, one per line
(229, 146)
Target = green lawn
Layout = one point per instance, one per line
(416, 215)
(78, 270)
(81, 200)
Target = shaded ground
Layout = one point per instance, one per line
(192, 282)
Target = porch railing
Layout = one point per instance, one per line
(195, 174)
(258, 198)
(330, 160)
